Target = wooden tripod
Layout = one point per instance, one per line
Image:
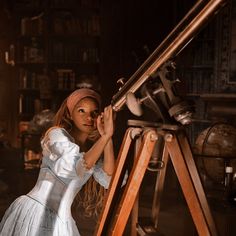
(113, 220)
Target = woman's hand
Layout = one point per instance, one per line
(105, 124)
(104, 144)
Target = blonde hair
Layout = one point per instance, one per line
(91, 199)
(92, 194)
(63, 119)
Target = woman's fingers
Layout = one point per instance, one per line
(108, 112)
(108, 120)
(100, 125)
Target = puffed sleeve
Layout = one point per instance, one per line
(101, 176)
(64, 155)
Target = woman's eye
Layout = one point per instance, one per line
(80, 110)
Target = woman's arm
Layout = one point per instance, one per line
(109, 159)
(106, 132)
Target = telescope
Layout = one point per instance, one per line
(154, 80)
(152, 76)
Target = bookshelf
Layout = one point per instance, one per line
(205, 71)
(56, 46)
(197, 72)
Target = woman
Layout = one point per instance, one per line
(69, 160)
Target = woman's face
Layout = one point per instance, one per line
(85, 115)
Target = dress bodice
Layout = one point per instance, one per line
(63, 173)
(55, 194)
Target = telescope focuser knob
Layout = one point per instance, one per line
(121, 82)
(177, 81)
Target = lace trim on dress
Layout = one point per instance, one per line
(101, 176)
(81, 167)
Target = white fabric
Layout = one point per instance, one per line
(45, 210)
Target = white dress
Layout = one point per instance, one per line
(46, 209)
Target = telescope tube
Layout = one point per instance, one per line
(179, 37)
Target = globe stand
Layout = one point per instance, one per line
(221, 193)
(114, 216)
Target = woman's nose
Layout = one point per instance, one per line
(90, 116)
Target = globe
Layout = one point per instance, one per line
(214, 149)
(41, 121)
(37, 127)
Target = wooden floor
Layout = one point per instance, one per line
(174, 218)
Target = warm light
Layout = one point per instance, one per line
(9, 56)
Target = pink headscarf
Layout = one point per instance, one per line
(79, 94)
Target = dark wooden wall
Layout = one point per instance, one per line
(131, 31)
(8, 83)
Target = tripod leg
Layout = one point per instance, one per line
(196, 180)
(135, 209)
(130, 133)
(190, 183)
(133, 184)
(152, 227)
(159, 188)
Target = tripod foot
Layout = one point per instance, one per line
(146, 228)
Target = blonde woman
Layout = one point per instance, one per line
(72, 151)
